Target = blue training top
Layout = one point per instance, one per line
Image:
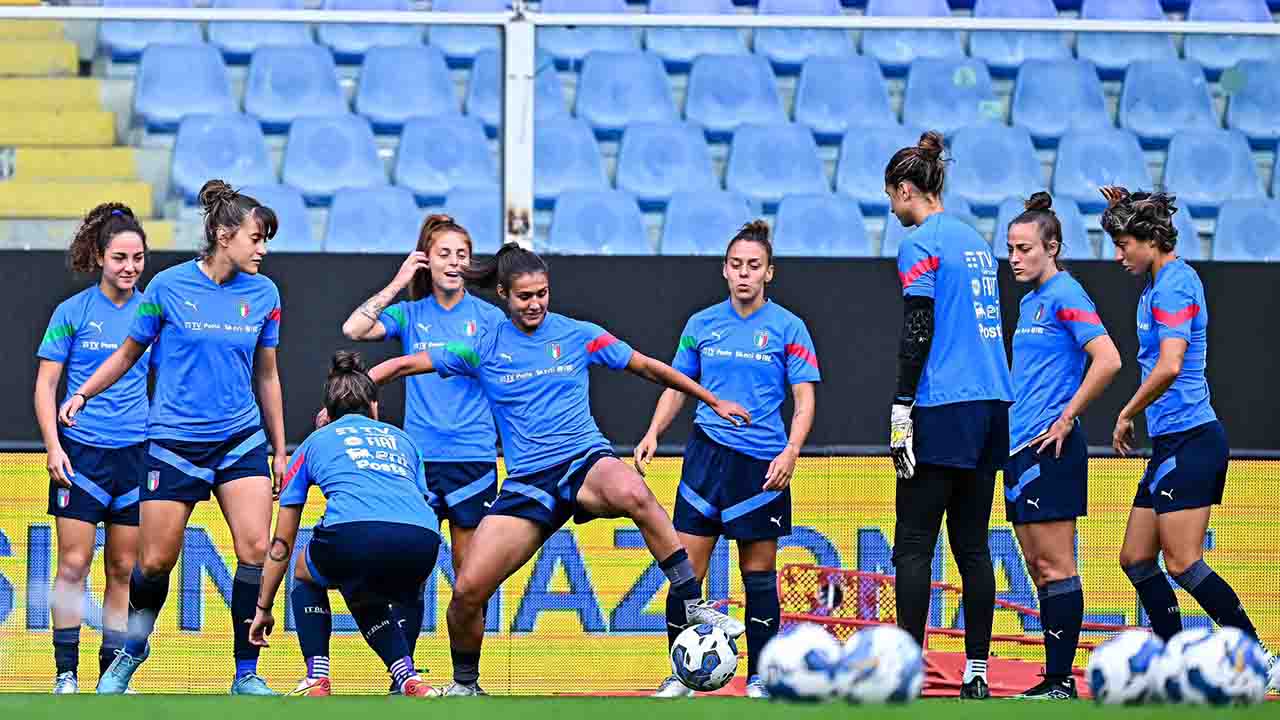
(1173, 306)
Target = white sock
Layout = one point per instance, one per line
(975, 668)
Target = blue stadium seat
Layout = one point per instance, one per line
(1053, 97)
(177, 80)
(948, 94)
(397, 83)
(701, 223)
(325, 154)
(293, 233)
(479, 210)
(991, 164)
(1090, 159)
(835, 95)
(894, 232)
(124, 40)
(238, 40)
(350, 42)
(228, 146)
(1163, 98)
(1243, 232)
(373, 220)
(1219, 52)
(656, 160)
(1005, 52)
(617, 89)
(863, 156)
(438, 154)
(1189, 246)
(565, 157)
(484, 91)
(679, 46)
(726, 91)
(788, 48)
(1112, 53)
(767, 162)
(598, 222)
(461, 43)
(895, 50)
(1253, 88)
(286, 83)
(820, 225)
(1076, 244)
(1208, 167)
(570, 45)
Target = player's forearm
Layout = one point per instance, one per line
(46, 407)
(388, 371)
(802, 414)
(665, 375)
(1151, 389)
(669, 405)
(913, 348)
(111, 369)
(272, 399)
(362, 321)
(278, 554)
(1103, 367)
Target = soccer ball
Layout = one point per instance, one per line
(704, 658)
(1249, 661)
(797, 664)
(1166, 675)
(881, 664)
(1118, 669)
(1224, 668)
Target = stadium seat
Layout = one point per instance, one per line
(658, 159)
(1208, 167)
(1005, 52)
(679, 46)
(991, 164)
(350, 42)
(286, 83)
(820, 225)
(438, 154)
(238, 40)
(1244, 231)
(565, 157)
(1163, 98)
(324, 154)
(835, 95)
(617, 89)
(1053, 97)
(1112, 53)
(570, 45)
(479, 210)
(894, 232)
(701, 223)
(788, 48)
(461, 43)
(598, 222)
(895, 50)
(124, 40)
(1219, 52)
(1076, 244)
(42, 58)
(1189, 245)
(293, 233)
(484, 91)
(1090, 159)
(948, 94)
(397, 83)
(177, 80)
(373, 220)
(1253, 104)
(863, 156)
(726, 91)
(767, 162)
(228, 146)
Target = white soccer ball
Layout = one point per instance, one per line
(881, 664)
(1119, 669)
(1249, 660)
(704, 658)
(1225, 668)
(1166, 675)
(798, 664)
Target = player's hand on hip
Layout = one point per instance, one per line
(1056, 435)
(901, 441)
(263, 623)
(67, 413)
(732, 411)
(644, 452)
(1122, 435)
(60, 471)
(781, 469)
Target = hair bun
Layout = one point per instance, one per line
(346, 362)
(214, 192)
(930, 144)
(1040, 201)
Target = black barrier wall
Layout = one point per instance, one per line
(852, 308)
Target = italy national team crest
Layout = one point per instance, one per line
(469, 327)
(554, 349)
(760, 339)
(243, 309)
(64, 497)
(153, 480)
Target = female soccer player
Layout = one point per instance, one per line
(951, 408)
(736, 482)
(216, 323)
(378, 540)
(1045, 481)
(94, 468)
(533, 371)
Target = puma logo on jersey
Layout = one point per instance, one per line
(191, 305)
(763, 621)
(96, 325)
(1034, 502)
(490, 503)
(507, 357)
(1057, 634)
(424, 328)
(1168, 494)
(776, 520)
(716, 334)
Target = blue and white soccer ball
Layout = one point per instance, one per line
(704, 658)
(799, 664)
(1167, 676)
(881, 664)
(1225, 668)
(1250, 663)
(1119, 669)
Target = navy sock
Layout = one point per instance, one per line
(763, 613)
(314, 620)
(112, 640)
(244, 605)
(1061, 613)
(1216, 597)
(466, 666)
(373, 617)
(146, 598)
(684, 589)
(1157, 597)
(66, 649)
(409, 617)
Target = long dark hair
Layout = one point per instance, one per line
(349, 389)
(94, 235)
(510, 260)
(421, 285)
(1039, 212)
(921, 165)
(226, 208)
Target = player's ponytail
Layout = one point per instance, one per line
(94, 235)
(1147, 216)
(225, 210)
(431, 227)
(922, 165)
(1039, 212)
(756, 231)
(349, 389)
(510, 260)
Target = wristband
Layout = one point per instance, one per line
(83, 397)
(264, 609)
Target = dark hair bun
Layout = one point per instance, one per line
(346, 362)
(214, 192)
(930, 144)
(1041, 201)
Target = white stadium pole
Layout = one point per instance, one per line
(517, 131)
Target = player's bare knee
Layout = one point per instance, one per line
(251, 550)
(1175, 564)
(118, 570)
(73, 566)
(471, 594)
(1129, 557)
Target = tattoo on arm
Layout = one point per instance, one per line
(279, 550)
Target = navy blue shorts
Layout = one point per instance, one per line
(463, 490)
(105, 485)
(549, 497)
(188, 471)
(967, 435)
(388, 561)
(1187, 469)
(1042, 488)
(720, 494)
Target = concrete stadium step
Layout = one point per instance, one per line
(38, 58)
(56, 234)
(51, 93)
(31, 29)
(70, 199)
(28, 164)
(57, 128)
